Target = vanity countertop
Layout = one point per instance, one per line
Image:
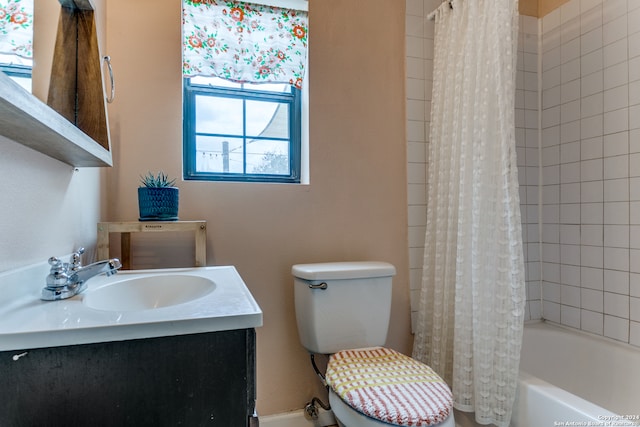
(27, 322)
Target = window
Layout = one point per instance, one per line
(243, 67)
(21, 74)
(16, 40)
(241, 131)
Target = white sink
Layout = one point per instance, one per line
(133, 304)
(150, 292)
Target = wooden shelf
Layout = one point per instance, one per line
(76, 87)
(28, 121)
(127, 227)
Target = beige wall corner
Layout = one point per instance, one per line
(528, 7)
(539, 8)
(546, 6)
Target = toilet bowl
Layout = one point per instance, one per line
(343, 309)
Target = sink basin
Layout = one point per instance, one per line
(147, 293)
(133, 304)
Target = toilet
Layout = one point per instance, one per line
(343, 310)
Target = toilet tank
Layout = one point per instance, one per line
(342, 305)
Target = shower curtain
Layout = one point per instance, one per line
(471, 307)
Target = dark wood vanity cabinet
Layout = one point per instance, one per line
(205, 379)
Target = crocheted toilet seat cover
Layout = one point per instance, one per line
(389, 386)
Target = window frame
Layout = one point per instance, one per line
(292, 98)
(16, 70)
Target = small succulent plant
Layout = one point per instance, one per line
(156, 181)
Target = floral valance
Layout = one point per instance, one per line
(244, 42)
(16, 28)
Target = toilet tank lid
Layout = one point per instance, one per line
(343, 270)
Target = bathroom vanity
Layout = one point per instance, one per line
(102, 361)
(186, 380)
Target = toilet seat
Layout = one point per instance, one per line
(347, 416)
(387, 386)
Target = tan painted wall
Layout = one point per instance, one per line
(539, 8)
(546, 6)
(528, 7)
(356, 205)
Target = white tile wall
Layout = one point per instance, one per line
(527, 85)
(583, 261)
(591, 76)
(419, 63)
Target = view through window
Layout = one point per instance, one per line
(242, 130)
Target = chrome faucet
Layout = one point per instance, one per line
(70, 278)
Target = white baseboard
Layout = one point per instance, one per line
(288, 419)
(297, 419)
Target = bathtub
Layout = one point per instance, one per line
(571, 378)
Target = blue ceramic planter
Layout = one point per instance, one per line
(158, 204)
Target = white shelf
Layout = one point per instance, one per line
(28, 121)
